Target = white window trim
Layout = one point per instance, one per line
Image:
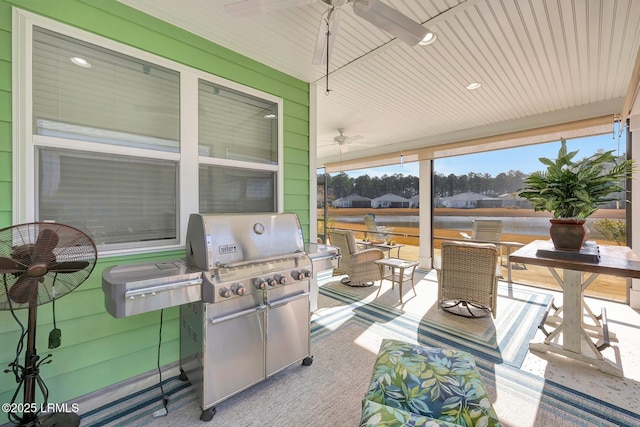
(24, 142)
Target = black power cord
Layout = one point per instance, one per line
(55, 336)
(164, 411)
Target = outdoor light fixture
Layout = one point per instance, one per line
(474, 85)
(428, 39)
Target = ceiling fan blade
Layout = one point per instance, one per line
(68, 266)
(9, 265)
(329, 22)
(22, 290)
(352, 139)
(46, 243)
(246, 8)
(390, 20)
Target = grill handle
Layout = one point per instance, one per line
(263, 260)
(161, 288)
(287, 300)
(215, 320)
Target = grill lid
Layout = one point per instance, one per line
(215, 240)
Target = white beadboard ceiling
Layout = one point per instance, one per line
(540, 62)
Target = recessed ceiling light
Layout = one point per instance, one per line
(80, 62)
(429, 38)
(474, 85)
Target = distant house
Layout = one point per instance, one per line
(390, 201)
(462, 201)
(352, 201)
(414, 202)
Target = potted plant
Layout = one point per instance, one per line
(573, 190)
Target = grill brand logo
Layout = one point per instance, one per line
(227, 249)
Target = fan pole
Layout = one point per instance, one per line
(30, 367)
(31, 377)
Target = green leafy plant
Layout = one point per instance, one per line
(575, 189)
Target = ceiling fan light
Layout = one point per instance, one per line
(428, 39)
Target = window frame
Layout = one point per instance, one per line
(24, 198)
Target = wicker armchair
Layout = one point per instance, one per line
(468, 278)
(359, 265)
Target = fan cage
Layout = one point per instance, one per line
(65, 257)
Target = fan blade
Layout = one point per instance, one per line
(329, 22)
(246, 8)
(390, 20)
(68, 266)
(23, 289)
(352, 139)
(8, 265)
(46, 243)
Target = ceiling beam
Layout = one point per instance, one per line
(569, 130)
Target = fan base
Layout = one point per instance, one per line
(59, 419)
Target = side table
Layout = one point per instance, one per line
(400, 271)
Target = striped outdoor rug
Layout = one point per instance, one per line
(501, 340)
(346, 333)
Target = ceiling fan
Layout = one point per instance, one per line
(374, 11)
(342, 140)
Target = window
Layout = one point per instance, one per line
(94, 95)
(103, 144)
(238, 155)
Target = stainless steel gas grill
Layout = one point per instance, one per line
(243, 292)
(253, 319)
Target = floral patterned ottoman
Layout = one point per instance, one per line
(421, 386)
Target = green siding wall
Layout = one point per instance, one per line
(98, 350)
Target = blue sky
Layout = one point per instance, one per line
(524, 159)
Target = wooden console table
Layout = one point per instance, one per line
(615, 261)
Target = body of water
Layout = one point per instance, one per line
(534, 226)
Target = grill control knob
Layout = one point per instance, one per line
(224, 292)
(298, 275)
(238, 289)
(260, 284)
(272, 282)
(306, 273)
(279, 278)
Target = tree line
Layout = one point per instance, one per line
(342, 185)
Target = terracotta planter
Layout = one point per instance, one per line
(568, 234)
